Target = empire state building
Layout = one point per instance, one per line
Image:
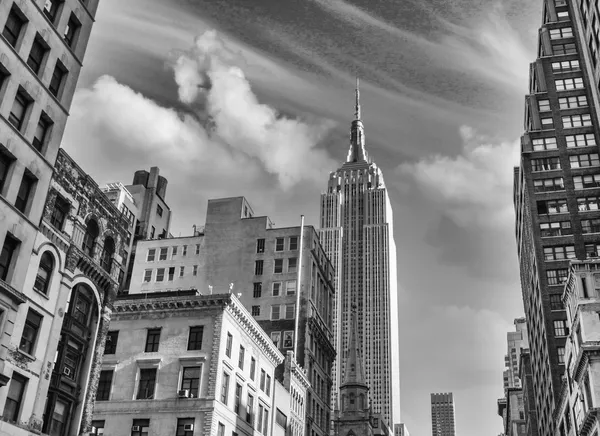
(357, 234)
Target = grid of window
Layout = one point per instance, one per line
(164, 251)
(544, 144)
(151, 255)
(552, 207)
(573, 102)
(545, 164)
(278, 266)
(255, 311)
(544, 105)
(547, 122)
(585, 140)
(190, 380)
(578, 120)
(276, 287)
(565, 66)
(590, 226)
(557, 276)
(160, 274)
(60, 211)
(587, 203)
(147, 276)
(562, 15)
(563, 32)
(549, 185)
(556, 302)
(290, 287)
(560, 328)
(257, 291)
(104, 384)
(564, 49)
(561, 355)
(588, 181)
(111, 342)
(258, 267)
(279, 244)
(195, 338)
(290, 311)
(275, 312)
(584, 160)
(293, 243)
(569, 84)
(152, 340)
(260, 245)
(592, 250)
(292, 264)
(147, 383)
(559, 252)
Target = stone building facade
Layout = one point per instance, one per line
(55, 349)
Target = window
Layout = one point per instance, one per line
(278, 266)
(5, 163)
(14, 25)
(292, 264)
(288, 339)
(275, 312)
(98, 428)
(190, 380)
(279, 244)
(147, 276)
(171, 273)
(89, 239)
(276, 289)
(290, 287)
(266, 422)
(195, 338)
(590, 226)
(42, 278)
(261, 410)
(195, 270)
(561, 355)
(72, 31)
(268, 385)
(221, 430)
(552, 207)
(152, 340)
(228, 345)
(560, 328)
(104, 384)
(573, 102)
(580, 120)
(147, 383)
(58, 76)
(556, 276)
(141, 427)
(185, 427)
(587, 203)
(563, 15)
(51, 9)
(564, 49)
(556, 302)
(255, 310)
(250, 409)
(164, 251)
(569, 84)
(547, 123)
(589, 181)
(262, 379)
(549, 185)
(258, 267)
(238, 398)
(241, 357)
(563, 32)
(19, 109)
(197, 249)
(586, 140)
(37, 53)
(160, 274)
(565, 66)
(545, 164)
(257, 290)
(25, 190)
(260, 245)
(544, 105)
(293, 243)
(9, 248)
(108, 250)
(290, 311)
(159, 210)
(152, 232)
(111, 342)
(30, 332)
(559, 252)
(181, 271)
(280, 418)
(592, 250)
(151, 255)
(276, 338)
(544, 144)
(252, 367)
(14, 398)
(174, 252)
(184, 253)
(225, 388)
(42, 131)
(561, 228)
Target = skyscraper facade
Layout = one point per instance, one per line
(516, 341)
(442, 415)
(557, 186)
(357, 235)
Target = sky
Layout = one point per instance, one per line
(256, 97)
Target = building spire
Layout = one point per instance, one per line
(354, 373)
(357, 104)
(357, 151)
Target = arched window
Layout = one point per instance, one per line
(107, 253)
(89, 240)
(42, 280)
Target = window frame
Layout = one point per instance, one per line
(152, 340)
(194, 343)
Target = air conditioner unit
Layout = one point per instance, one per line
(66, 371)
(183, 393)
(188, 427)
(135, 428)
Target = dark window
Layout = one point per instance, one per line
(159, 210)
(268, 385)
(59, 418)
(6, 255)
(185, 427)
(294, 243)
(107, 253)
(89, 239)
(221, 429)
(57, 79)
(225, 388)
(42, 279)
(152, 340)
(147, 381)
(280, 418)
(255, 310)
(5, 163)
(171, 273)
(262, 379)
(228, 344)
(30, 331)
(98, 428)
(51, 8)
(250, 409)
(258, 267)
(195, 338)
(278, 268)
(190, 380)
(279, 244)
(25, 190)
(152, 232)
(260, 245)
(257, 290)
(42, 132)
(19, 109)
(14, 25)
(140, 427)
(241, 357)
(60, 212)
(37, 53)
(111, 342)
(238, 398)
(14, 398)
(72, 31)
(104, 384)
(252, 367)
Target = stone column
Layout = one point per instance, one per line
(98, 353)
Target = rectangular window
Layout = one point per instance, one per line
(290, 287)
(184, 250)
(292, 265)
(185, 427)
(561, 228)
(544, 105)
(14, 398)
(241, 357)
(152, 340)
(147, 276)
(104, 384)
(37, 53)
(564, 49)
(563, 32)
(549, 185)
(579, 120)
(551, 207)
(275, 312)
(51, 9)
(569, 84)
(279, 244)
(278, 266)
(257, 292)
(259, 419)
(565, 66)
(195, 270)
(225, 388)
(181, 271)
(228, 345)
(556, 302)
(258, 267)
(545, 164)
(547, 123)
(280, 418)
(30, 332)
(563, 15)
(72, 31)
(5, 164)
(589, 181)
(174, 252)
(197, 249)
(141, 427)
(164, 251)
(112, 338)
(544, 144)
(585, 204)
(195, 338)
(159, 210)
(276, 288)
(147, 384)
(290, 311)
(276, 338)
(260, 245)
(42, 132)
(557, 276)
(151, 255)
(19, 109)
(9, 250)
(266, 422)
(160, 274)
(152, 232)
(584, 140)
(190, 380)
(293, 243)
(288, 339)
(221, 430)
(560, 328)
(252, 367)
(560, 252)
(171, 273)
(250, 409)
(58, 76)
(590, 226)
(255, 310)
(238, 398)
(14, 25)
(573, 102)
(561, 355)
(25, 190)
(98, 428)
(262, 379)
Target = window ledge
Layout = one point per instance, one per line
(192, 359)
(16, 296)
(149, 363)
(41, 294)
(27, 355)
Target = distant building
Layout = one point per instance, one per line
(517, 341)
(401, 430)
(526, 376)
(442, 415)
(184, 364)
(281, 275)
(296, 383)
